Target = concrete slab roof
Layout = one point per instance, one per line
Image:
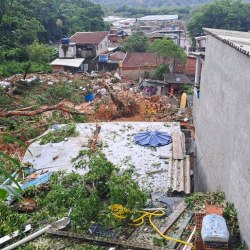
(74, 62)
(117, 140)
(236, 39)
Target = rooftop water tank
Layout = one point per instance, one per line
(65, 41)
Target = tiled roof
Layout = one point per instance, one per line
(88, 37)
(117, 56)
(236, 39)
(136, 59)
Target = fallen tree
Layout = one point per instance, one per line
(60, 106)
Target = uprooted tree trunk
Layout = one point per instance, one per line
(119, 104)
(95, 137)
(60, 106)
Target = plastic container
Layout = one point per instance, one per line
(103, 58)
(89, 97)
(214, 229)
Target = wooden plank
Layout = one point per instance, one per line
(179, 232)
(174, 216)
(178, 140)
(105, 241)
(164, 157)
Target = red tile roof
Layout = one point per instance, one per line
(136, 59)
(88, 37)
(117, 56)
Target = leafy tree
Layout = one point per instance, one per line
(222, 14)
(137, 42)
(168, 51)
(40, 52)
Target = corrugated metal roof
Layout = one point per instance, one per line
(179, 175)
(75, 62)
(236, 39)
(176, 78)
(158, 18)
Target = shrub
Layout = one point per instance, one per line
(160, 70)
(40, 52)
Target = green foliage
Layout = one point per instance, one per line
(11, 220)
(7, 165)
(137, 42)
(83, 193)
(160, 70)
(40, 52)
(230, 214)
(10, 68)
(169, 51)
(187, 89)
(23, 22)
(221, 14)
(58, 92)
(58, 135)
(123, 190)
(197, 200)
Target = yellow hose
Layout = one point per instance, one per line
(120, 212)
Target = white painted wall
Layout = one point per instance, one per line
(102, 47)
(71, 52)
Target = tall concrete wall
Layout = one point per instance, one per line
(222, 122)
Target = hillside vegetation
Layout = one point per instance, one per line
(152, 3)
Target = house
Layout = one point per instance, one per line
(200, 43)
(68, 65)
(175, 82)
(90, 44)
(221, 116)
(154, 36)
(117, 36)
(136, 65)
(84, 45)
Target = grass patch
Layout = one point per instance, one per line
(59, 135)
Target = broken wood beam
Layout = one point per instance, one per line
(178, 140)
(178, 211)
(178, 234)
(105, 241)
(164, 157)
(60, 106)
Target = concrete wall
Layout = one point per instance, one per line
(222, 122)
(70, 52)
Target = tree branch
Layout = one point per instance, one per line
(59, 106)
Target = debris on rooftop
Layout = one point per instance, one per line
(107, 162)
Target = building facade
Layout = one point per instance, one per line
(222, 121)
